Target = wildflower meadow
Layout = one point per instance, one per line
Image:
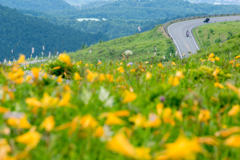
(181, 109)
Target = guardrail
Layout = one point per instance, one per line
(195, 17)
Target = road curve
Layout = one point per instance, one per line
(186, 44)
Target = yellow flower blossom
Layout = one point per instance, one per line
(48, 124)
(160, 65)
(21, 122)
(77, 77)
(120, 69)
(99, 132)
(228, 132)
(159, 108)
(30, 139)
(138, 120)
(58, 67)
(233, 141)
(109, 77)
(65, 58)
(100, 62)
(3, 109)
(112, 119)
(180, 75)
(4, 149)
(174, 81)
(59, 79)
(148, 75)
(179, 116)
(35, 72)
(88, 121)
(72, 125)
(212, 141)
(234, 111)
(218, 85)
(120, 144)
(129, 96)
(153, 121)
(217, 58)
(211, 55)
(173, 63)
(21, 59)
(143, 153)
(204, 115)
(101, 77)
(182, 148)
(65, 100)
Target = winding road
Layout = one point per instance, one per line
(186, 44)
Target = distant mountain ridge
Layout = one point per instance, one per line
(20, 33)
(39, 5)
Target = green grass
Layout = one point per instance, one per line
(208, 35)
(142, 45)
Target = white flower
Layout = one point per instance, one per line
(128, 52)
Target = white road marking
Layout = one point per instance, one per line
(194, 38)
(175, 42)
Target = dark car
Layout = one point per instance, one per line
(206, 20)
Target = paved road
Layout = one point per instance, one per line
(185, 44)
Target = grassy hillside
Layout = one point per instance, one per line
(142, 45)
(218, 38)
(210, 34)
(40, 5)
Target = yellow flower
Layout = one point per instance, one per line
(182, 148)
(112, 119)
(3, 109)
(122, 113)
(218, 85)
(234, 111)
(211, 55)
(148, 75)
(59, 79)
(88, 121)
(48, 101)
(33, 102)
(72, 125)
(48, 124)
(133, 70)
(153, 121)
(217, 58)
(159, 108)
(77, 77)
(174, 81)
(99, 132)
(146, 62)
(143, 153)
(58, 67)
(234, 88)
(100, 62)
(110, 77)
(101, 77)
(179, 116)
(138, 120)
(233, 141)
(228, 132)
(19, 122)
(65, 58)
(180, 75)
(212, 141)
(120, 144)
(160, 65)
(35, 72)
(173, 63)
(129, 96)
(65, 100)
(30, 139)
(4, 149)
(21, 59)
(120, 70)
(204, 115)
(91, 76)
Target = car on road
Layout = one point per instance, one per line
(206, 20)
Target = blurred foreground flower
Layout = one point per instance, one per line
(233, 141)
(48, 123)
(65, 58)
(129, 96)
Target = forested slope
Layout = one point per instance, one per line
(21, 33)
(40, 5)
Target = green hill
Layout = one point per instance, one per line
(40, 5)
(218, 38)
(21, 33)
(142, 45)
